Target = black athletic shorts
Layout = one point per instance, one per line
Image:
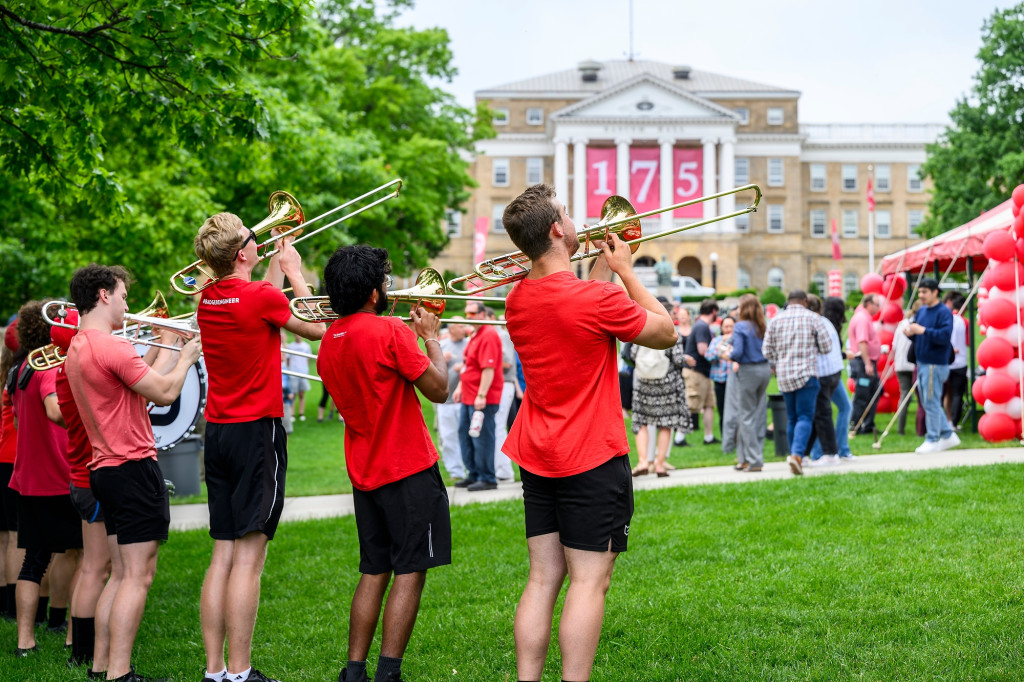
(587, 510)
(48, 523)
(404, 526)
(86, 505)
(245, 472)
(8, 500)
(136, 506)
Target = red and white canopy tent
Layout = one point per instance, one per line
(955, 247)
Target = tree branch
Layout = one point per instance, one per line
(49, 159)
(35, 25)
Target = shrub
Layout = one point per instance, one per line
(853, 298)
(773, 295)
(735, 294)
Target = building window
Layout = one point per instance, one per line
(744, 114)
(849, 178)
(914, 178)
(742, 278)
(500, 172)
(775, 218)
(496, 215)
(743, 223)
(851, 282)
(534, 170)
(777, 278)
(817, 177)
(454, 220)
(818, 223)
(775, 116)
(914, 219)
(820, 280)
(534, 116)
(742, 176)
(883, 224)
(776, 176)
(883, 178)
(500, 117)
(850, 223)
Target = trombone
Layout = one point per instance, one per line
(617, 217)
(285, 212)
(428, 291)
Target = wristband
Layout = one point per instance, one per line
(434, 340)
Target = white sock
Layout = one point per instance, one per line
(237, 677)
(217, 677)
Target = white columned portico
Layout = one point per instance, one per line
(728, 175)
(622, 166)
(666, 144)
(710, 207)
(562, 169)
(579, 180)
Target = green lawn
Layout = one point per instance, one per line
(866, 576)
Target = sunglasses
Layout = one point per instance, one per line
(250, 238)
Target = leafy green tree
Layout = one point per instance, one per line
(980, 158)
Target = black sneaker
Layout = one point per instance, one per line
(481, 485)
(63, 627)
(25, 653)
(343, 677)
(255, 676)
(465, 483)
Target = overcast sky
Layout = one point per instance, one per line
(871, 61)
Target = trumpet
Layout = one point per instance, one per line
(617, 217)
(428, 291)
(285, 212)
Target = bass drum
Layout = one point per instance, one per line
(173, 423)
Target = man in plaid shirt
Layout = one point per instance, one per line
(794, 339)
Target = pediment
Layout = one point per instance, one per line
(645, 97)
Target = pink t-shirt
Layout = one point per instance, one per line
(101, 369)
(863, 329)
(40, 469)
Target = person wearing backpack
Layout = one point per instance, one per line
(659, 399)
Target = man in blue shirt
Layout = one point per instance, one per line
(930, 332)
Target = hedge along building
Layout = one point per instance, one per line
(614, 127)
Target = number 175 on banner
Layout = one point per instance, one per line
(645, 179)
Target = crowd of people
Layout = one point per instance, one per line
(726, 362)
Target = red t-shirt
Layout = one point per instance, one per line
(368, 364)
(564, 330)
(79, 450)
(240, 324)
(40, 468)
(101, 369)
(482, 351)
(8, 434)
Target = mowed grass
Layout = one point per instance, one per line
(910, 576)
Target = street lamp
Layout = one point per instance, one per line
(714, 270)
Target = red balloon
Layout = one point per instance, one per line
(1020, 247)
(994, 352)
(884, 405)
(1016, 210)
(892, 387)
(892, 313)
(894, 287)
(1018, 195)
(997, 427)
(998, 313)
(885, 337)
(871, 283)
(978, 390)
(1005, 276)
(998, 246)
(850, 385)
(999, 388)
(1018, 225)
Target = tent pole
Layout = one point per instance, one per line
(972, 410)
(937, 270)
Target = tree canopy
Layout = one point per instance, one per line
(122, 127)
(980, 158)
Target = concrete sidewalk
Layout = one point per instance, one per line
(191, 516)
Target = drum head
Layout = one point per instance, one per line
(174, 422)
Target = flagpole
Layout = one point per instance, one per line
(871, 220)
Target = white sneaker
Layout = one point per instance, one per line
(820, 462)
(928, 447)
(950, 441)
(845, 458)
(794, 465)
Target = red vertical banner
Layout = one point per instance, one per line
(645, 178)
(835, 283)
(687, 181)
(480, 239)
(601, 178)
(837, 253)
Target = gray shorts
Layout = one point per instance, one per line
(85, 504)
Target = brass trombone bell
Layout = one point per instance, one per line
(617, 217)
(46, 357)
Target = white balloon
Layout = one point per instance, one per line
(1011, 407)
(1014, 296)
(889, 327)
(1013, 334)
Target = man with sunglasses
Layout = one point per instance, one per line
(246, 446)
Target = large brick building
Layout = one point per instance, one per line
(611, 127)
